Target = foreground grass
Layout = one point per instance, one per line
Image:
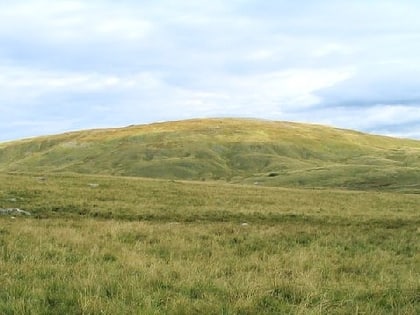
(91, 267)
(102, 245)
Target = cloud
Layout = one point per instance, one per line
(61, 21)
(333, 48)
(101, 62)
(386, 82)
(388, 119)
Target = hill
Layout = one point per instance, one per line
(234, 150)
(73, 243)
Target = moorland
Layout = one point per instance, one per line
(219, 216)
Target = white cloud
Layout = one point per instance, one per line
(389, 114)
(137, 61)
(27, 82)
(388, 119)
(282, 90)
(334, 48)
(80, 21)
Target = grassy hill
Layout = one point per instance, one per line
(102, 240)
(234, 150)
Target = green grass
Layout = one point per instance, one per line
(232, 150)
(142, 246)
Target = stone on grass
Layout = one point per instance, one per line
(13, 211)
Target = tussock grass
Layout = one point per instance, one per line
(91, 266)
(117, 245)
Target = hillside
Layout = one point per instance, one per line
(234, 150)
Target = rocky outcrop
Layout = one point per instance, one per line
(13, 211)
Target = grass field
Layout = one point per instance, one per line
(119, 245)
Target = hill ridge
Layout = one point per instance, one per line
(240, 150)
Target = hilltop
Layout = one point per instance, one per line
(242, 151)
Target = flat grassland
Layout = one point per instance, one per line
(118, 245)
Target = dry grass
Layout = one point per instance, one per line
(161, 247)
(90, 266)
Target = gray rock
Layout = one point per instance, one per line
(13, 211)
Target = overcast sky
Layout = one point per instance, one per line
(69, 65)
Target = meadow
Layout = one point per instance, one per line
(121, 245)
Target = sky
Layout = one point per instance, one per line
(70, 64)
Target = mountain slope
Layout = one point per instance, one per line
(235, 150)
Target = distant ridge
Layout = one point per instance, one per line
(247, 151)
